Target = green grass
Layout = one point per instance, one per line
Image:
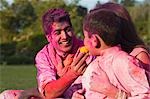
(17, 77)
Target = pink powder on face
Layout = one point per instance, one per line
(54, 15)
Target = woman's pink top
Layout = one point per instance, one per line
(138, 50)
(123, 72)
(135, 52)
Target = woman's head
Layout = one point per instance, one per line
(128, 38)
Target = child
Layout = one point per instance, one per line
(101, 31)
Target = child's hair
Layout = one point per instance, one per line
(128, 37)
(54, 15)
(104, 23)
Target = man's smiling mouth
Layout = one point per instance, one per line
(66, 43)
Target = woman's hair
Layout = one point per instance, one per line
(54, 15)
(105, 23)
(128, 38)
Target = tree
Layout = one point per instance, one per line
(21, 27)
(18, 16)
(128, 2)
(141, 20)
(3, 4)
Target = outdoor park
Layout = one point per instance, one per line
(21, 34)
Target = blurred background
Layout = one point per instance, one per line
(21, 34)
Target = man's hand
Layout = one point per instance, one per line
(79, 65)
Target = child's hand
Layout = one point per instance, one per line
(79, 94)
(99, 82)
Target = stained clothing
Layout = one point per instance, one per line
(123, 71)
(135, 53)
(49, 68)
(10, 94)
(51, 65)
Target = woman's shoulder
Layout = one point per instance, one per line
(142, 54)
(139, 50)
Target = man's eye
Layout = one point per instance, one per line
(57, 32)
(68, 29)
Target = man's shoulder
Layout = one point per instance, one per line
(44, 50)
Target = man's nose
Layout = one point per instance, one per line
(64, 34)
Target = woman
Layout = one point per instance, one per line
(130, 42)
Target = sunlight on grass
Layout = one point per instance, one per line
(17, 77)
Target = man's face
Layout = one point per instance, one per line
(62, 36)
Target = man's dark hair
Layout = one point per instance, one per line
(104, 23)
(54, 15)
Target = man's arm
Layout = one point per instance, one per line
(56, 88)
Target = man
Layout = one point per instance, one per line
(59, 64)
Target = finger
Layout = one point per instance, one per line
(79, 71)
(81, 62)
(95, 73)
(77, 59)
(82, 69)
(76, 95)
(77, 53)
(81, 91)
(79, 96)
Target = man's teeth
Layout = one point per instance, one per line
(65, 42)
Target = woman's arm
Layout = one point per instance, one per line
(100, 83)
(144, 57)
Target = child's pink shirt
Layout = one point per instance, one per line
(123, 72)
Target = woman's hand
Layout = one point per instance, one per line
(101, 83)
(79, 94)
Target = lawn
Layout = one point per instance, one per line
(17, 77)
